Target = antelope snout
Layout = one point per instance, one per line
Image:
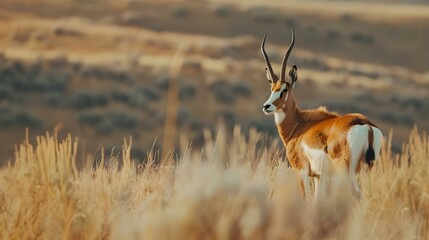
(268, 108)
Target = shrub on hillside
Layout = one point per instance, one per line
(138, 101)
(15, 76)
(57, 62)
(407, 119)
(264, 125)
(109, 20)
(54, 99)
(220, 10)
(311, 29)
(222, 92)
(6, 93)
(225, 96)
(64, 31)
(114, 73)
(412, 102)
(9, 117)
(183, 116)
(227, 116)
(195, 125)
(362, 38)
(241, 88)
(313, 63)
(359, 72)
(158, 118)
(233, 51)
(4, 109)
(264, 15)
(192, 67)
(86, 99)
(162, 82)
(346, 17)
(6, 116)
(389, 117)
(290, 22)
(332, 34)
(28, 77)
(104, 127)
(148, 92)
(187, 92)
(52, 80)
(147, 124)
(28, 120)
(122, 120)
(132, 18)
(121, 96)
(179, 11)
(130, 98)
(90, 118)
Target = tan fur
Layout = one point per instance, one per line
(317, 114)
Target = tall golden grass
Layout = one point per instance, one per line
(231, 189)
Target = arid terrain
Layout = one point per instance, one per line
(100, 69)
(136, 119)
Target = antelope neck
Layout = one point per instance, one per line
(288, 125)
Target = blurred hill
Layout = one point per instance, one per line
(99, 69)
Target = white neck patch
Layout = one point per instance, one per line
(279, 116)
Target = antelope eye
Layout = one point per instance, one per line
(281, 94)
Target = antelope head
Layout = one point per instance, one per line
(281, 98)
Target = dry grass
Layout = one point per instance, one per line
(231, 190)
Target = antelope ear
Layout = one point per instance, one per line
(269, 77)
(293, 74)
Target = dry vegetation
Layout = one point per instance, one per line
(235, 189)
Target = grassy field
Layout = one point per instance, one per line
(236, 188)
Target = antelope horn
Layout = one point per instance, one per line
(285, 58)
(267, 60)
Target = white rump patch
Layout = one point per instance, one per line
(378, 138)
(357, 138)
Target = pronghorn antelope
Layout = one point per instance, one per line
(311, 137)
